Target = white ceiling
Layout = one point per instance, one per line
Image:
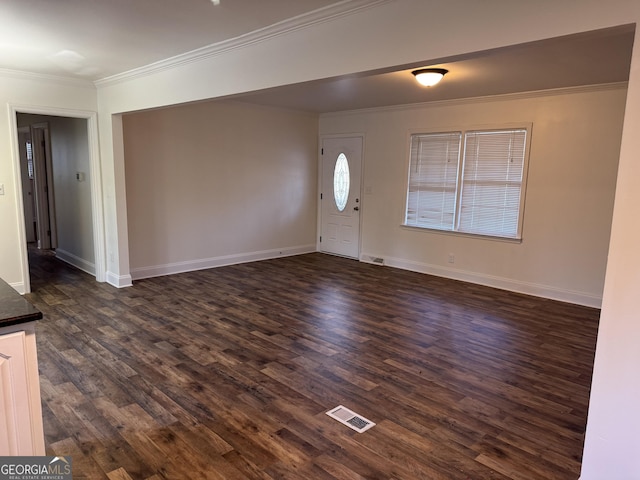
(96, 39)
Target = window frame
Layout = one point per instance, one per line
(463, 131)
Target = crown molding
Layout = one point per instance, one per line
(321, 15)
(485, 99)
(48, 78)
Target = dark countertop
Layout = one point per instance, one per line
(14, 308)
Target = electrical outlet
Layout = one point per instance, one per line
(1, 188)
(452, 258)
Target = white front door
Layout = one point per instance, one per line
(340, 196)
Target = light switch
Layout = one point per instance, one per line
(1, 188)
(80, 176)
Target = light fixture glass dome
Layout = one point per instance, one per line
(429, 76)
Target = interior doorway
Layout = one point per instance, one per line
(58, 172)
(38, 194)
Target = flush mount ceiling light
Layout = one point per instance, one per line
(429, 76)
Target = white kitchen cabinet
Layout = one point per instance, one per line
(21, 431)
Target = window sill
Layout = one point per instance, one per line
(460, 234)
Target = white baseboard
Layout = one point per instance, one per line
(119, 281)
(76, 261)
(18, 287)
(534, 289)
(204, 263)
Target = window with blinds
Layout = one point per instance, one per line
(468, 181)
(431, 198)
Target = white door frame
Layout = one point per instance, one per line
(97, 208)
(320, 175)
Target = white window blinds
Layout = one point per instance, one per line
(433, 176)
(491, 182)
(477, 190)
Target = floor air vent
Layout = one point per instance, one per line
(350, 419)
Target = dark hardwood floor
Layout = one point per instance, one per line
(227, 374)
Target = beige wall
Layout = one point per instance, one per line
(70, 155)
(216, 183)
(575, 146)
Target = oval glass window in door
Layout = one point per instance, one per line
(341, 182)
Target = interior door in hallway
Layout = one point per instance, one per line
(340, 196)
(46, 226)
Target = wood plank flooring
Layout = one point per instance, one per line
(227, 374)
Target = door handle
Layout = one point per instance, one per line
(356, 208)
